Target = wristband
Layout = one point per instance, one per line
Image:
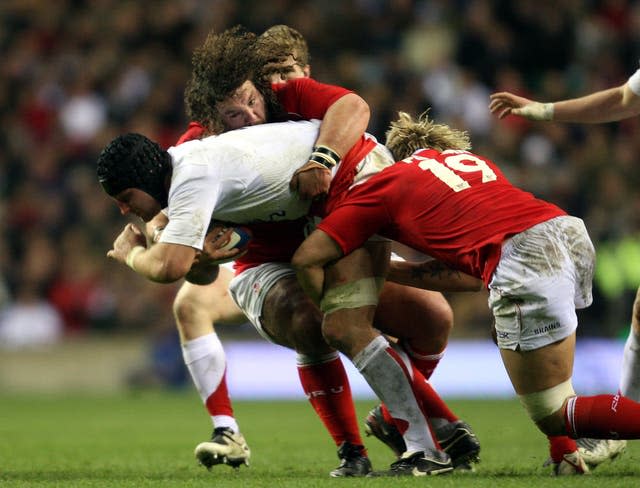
(325, 156)
(131, 255)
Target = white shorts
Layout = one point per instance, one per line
(544, 274)
(250, 288)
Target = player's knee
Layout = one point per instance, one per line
(546, 407)
(184, 308)
(191, 308)
(426, 317)
(335, 334)
(436, 334)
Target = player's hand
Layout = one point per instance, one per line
(311, 181)
(505, 103)
(130, 237)
(212, 252)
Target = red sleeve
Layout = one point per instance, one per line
(194, 131)
(307, 98)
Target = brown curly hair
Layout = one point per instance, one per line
(219, 67)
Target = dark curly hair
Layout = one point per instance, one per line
(219, 67)
(134, 161)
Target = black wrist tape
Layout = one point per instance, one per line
(324, 156)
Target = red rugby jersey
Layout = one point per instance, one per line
(455, 206)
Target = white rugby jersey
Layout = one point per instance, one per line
(241, 176)
(634, 82)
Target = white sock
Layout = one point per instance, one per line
(390, 382)
(206, 361)
(630, 374)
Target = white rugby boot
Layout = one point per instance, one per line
(225, 447)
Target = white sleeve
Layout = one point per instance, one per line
(192, 199)
(634, 82)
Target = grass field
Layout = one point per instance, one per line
(147, 439)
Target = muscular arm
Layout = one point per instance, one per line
(204, 269)
(344, 123)
(432, 275)
(163, 263)
(309, 260)
(342, 126)
(603, 106)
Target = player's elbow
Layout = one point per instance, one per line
(360, 110)
(301, 261)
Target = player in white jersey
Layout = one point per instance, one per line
(215, 178)
(137, 174)
(609, 105)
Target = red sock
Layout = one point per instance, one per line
(425, 363)
(432, 405)
(602, 417)
(559, 445)
(327, 388)
(219, 403)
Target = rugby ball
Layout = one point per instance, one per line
(239, 238)
(226, 238)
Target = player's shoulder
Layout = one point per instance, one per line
(293, 85)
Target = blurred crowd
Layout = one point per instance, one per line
(75, 74)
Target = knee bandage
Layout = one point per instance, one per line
(355, 294)
(543, 403)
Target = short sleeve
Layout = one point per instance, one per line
(634, 82)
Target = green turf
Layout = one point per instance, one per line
(147, 439)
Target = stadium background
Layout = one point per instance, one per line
(77, 73)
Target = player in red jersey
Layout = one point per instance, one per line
(196, 307)
(536, 261)
(608, 105)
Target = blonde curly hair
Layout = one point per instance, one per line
(406, 135)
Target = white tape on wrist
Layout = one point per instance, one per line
(131, 256)
(537, 111)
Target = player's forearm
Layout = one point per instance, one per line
(432, 275)
(317, 250)
(344, 123)
(159, 263)
(311, 281)
(603, 106)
